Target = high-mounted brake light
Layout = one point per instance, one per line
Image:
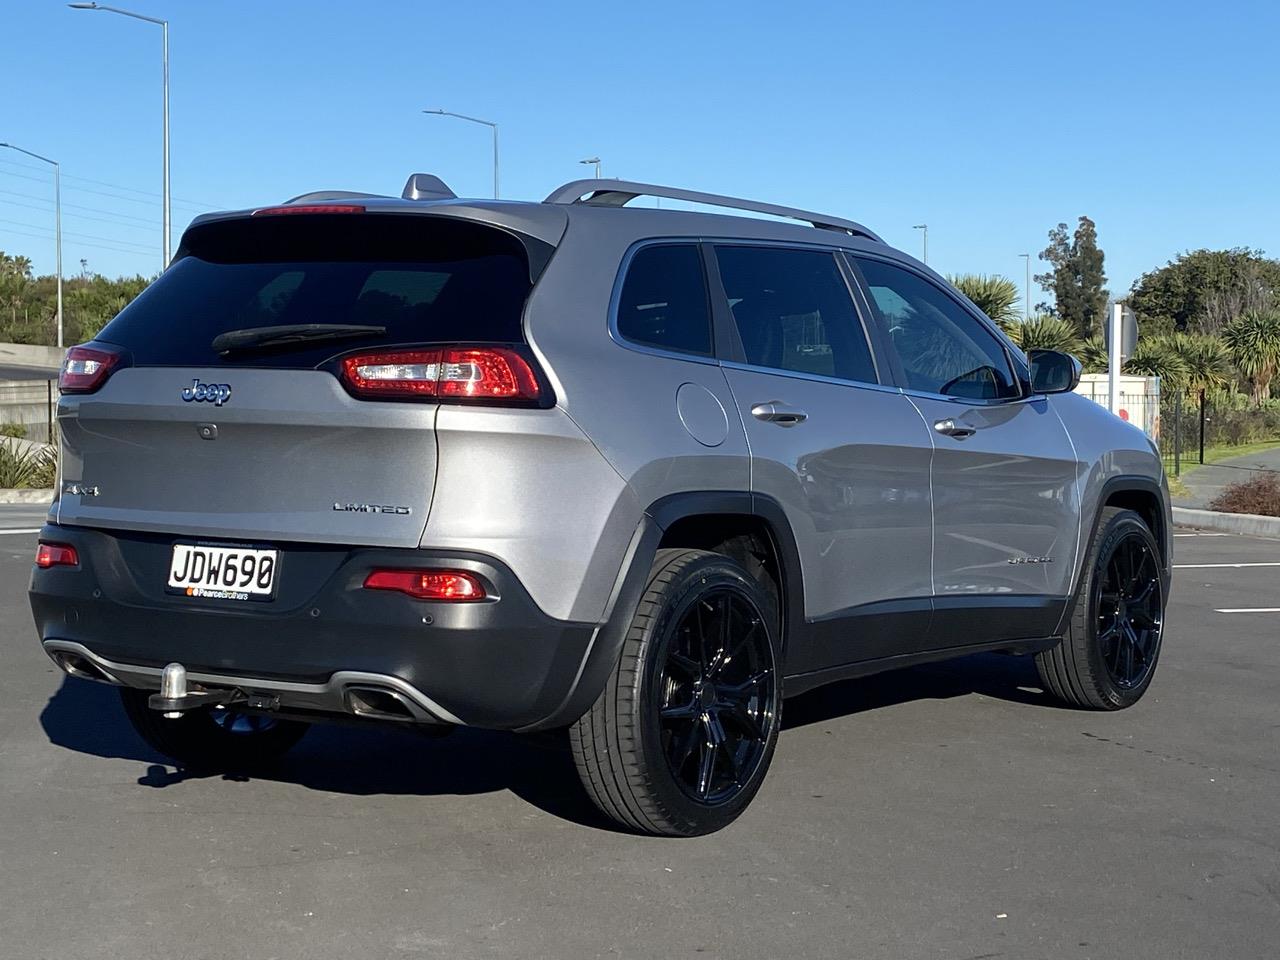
(452, 586)
(56, 555)
(85, 369)
(308, 208)
(454, 373)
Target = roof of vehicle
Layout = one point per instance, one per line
(600, 200)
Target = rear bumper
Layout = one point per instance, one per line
(501, 663)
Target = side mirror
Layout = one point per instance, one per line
(1053, 372)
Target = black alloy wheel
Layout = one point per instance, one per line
(716, 695)
(1114, 628)
(1129, 611)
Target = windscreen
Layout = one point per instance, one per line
(422, 279)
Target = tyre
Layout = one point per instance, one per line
(1111, 644)
(682, 736)
(210, 739)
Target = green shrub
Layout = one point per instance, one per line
(18, 430)
(33, 467)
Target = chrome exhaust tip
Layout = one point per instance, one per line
(383, 704)
(76, 665)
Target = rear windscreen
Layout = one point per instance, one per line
(424, 279)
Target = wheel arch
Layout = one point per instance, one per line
(1144, 496)
(737, 522)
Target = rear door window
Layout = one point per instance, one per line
(794, 312)
(425, 279)
(664, 300)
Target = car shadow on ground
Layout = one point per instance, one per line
(994, 675)
(367, 761)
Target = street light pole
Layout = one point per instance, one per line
(1027, 257)
(924, 228)
(164, 25)
(589, 161)
(487, 123)
(57, 220)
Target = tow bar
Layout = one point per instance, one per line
(176, 697)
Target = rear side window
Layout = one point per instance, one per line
(664, 300)
(794, 312)
(425, 279)
(944, 349)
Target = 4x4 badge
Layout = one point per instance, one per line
(215, 393)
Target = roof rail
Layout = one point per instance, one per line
(618, 193)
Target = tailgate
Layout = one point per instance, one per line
(290, 455)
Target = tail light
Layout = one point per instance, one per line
(56, 555)
(446, 373)
(452, 586)
(85, 369)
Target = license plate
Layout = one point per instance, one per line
(223, 573)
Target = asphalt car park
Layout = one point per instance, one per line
(950, 810)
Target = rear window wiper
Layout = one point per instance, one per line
(259, 338)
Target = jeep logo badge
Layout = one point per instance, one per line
(215, 393)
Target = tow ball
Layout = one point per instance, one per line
(176, 697)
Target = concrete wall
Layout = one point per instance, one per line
(29, 355)
(30, 403)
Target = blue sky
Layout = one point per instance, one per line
(990, 121)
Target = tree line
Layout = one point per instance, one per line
(29, 304)
(1208, 320)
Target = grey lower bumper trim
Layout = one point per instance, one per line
(327, 697)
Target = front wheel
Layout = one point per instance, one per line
(212, 739)
(680, 740)
(1112, 642)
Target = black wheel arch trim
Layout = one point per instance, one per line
(1128, 483)
(633, 576)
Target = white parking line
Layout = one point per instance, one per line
(1202, 534)
(1247, 610)
(1234, 566)
(32, 530)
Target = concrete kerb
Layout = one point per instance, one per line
(1248, 524)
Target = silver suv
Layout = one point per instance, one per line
(633, 472)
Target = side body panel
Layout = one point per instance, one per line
(853, 482)
(528, 487)
(1111, 452)
(666, 424)
(1006, 513)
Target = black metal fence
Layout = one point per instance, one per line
(1191, 424)
(1182, 434)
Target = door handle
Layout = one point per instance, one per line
(775, 411)
(949, 428)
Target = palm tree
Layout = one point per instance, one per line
(1207, 361)
(1093, 354)
(1253, 341)
(1157, 357)
(994, 295)
(1045, 333)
